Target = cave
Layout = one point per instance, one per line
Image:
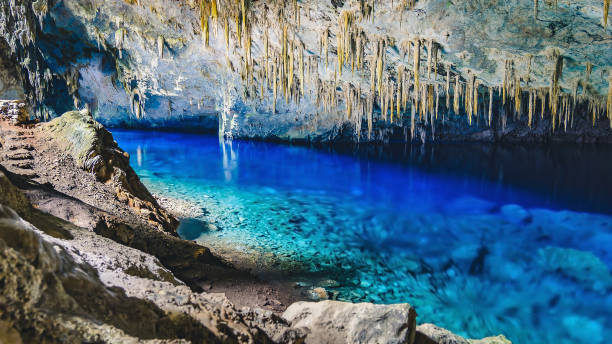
(305, 171)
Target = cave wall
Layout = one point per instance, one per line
(153, 63)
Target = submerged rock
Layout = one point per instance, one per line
(581, 266)
(341, 322)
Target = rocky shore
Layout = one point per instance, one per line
(87, 254)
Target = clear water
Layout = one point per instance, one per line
(482, 240)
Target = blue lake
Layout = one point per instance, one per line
(482, 240)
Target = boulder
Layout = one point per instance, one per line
(94, 149)
(432, 334)
(341, 322)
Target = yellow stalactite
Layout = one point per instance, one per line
(456, 95)
(605, 12)
(429, 56)
(447, 87)
(416, 62)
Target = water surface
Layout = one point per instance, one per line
(480, 239)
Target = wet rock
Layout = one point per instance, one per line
(339, 322)
(319, 293)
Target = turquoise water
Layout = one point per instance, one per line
(482, 240)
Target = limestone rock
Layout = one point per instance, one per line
(432, 334)
(340, 322)
(94, 150)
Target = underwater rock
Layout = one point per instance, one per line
(582, 266)
(469, 205)
(515, 214)
(319, 293)
(582, 328)
(340, 322)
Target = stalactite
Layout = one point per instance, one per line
(370, 113)
(429, 56)
(543, 103)
(160, 47)
(605, 13)
(475, 101)
(517, 96)
(609, 101)
(469, 97)
(302, 81)
(347, 100)
(391, 92)
(535, 9)
(447, 87)
(380, 64)
(274, 86)
(589, 69)
(119, 40)
(437, 99)
(398, 100)
(412, 113)
(456, 95)
(531, 106)
(417, 61)
(490, 104)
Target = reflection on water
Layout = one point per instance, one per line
(480, 239)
